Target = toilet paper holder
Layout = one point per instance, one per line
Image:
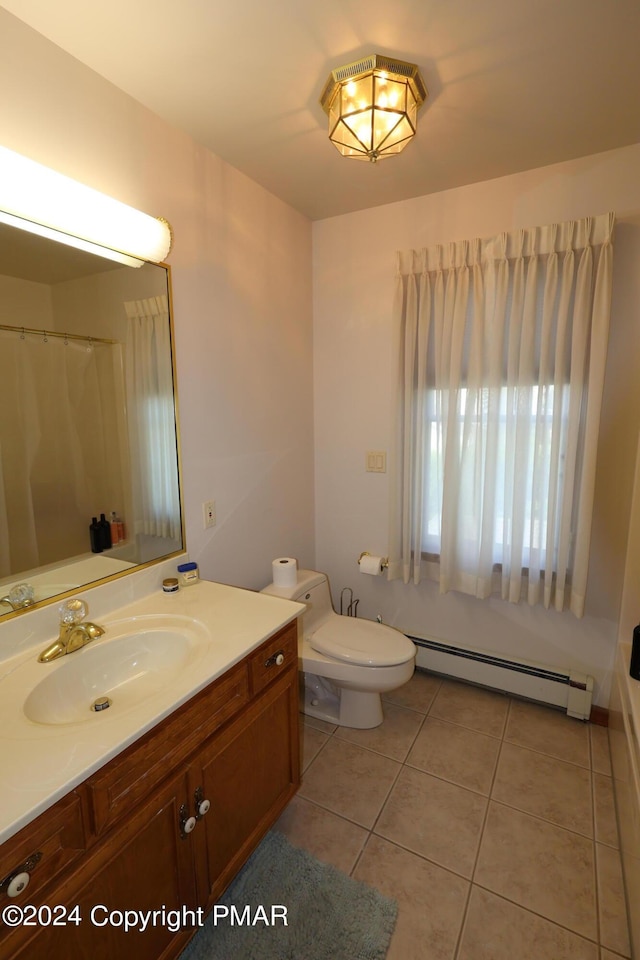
(352, 608)
(384, 563)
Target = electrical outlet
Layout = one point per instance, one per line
(209, 513)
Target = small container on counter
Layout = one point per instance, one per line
(170, 585)
(188, 573)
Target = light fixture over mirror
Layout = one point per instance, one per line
(372, 105)
(88, 419)
(35, 198)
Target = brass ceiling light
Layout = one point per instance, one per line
(372, 105)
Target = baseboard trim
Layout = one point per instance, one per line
(599, 716)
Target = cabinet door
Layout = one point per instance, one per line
(146, 865)
(249, 773)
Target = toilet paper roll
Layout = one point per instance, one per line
(285, 572)
(371, 565)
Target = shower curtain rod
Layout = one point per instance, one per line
(53, 333)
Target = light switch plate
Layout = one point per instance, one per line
(376, 461)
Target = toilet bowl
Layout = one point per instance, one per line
(345, 662)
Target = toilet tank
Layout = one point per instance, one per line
(312, 589)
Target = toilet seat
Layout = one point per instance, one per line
(362, 642)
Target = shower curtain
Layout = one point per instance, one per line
(60, 461)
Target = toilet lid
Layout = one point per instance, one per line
(362, 641)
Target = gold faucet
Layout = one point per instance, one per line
(73, 633)
(20, 596)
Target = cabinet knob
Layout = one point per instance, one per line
(16, 882)
(202, 805)
(276, 659)
(187, 823)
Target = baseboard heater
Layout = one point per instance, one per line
(572, 691)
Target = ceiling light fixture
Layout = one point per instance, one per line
(40, 200)
(372, 106)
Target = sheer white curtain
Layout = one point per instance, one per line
(151, 418)
(502, 354)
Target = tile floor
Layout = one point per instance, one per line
(490, 820)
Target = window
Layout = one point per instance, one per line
(502, 348)
(540, 412)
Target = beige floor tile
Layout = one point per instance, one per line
(614, 929)
(349, 780)
(435, 819)
(312, 741)
(431, 900)
(319, 724)
(455, 753)
(539, 866)
(545, 787)
(417, 694)
(394, 736)
(600, 754)
(605, 810)
(548, 731)
(473, 707)
(537, 870)
(498, 930)
(325, 835)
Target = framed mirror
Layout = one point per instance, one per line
(88, 422)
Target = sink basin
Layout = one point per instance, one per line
(126, 665)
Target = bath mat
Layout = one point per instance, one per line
(329, 915)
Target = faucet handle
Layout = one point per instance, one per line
(21, 595)
(72, 611)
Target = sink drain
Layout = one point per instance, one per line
(102, 703)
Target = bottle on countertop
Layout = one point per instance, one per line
(95, 536)
(115, 538)
(115, 518)
(105, 532)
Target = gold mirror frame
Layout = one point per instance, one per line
(27, 256)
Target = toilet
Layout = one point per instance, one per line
(346, 662)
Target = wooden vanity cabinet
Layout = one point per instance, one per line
(248, 773)
(144, 865)
(139, 837)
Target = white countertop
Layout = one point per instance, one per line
(39, 763)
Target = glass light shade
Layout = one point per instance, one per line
(372, 106)
(36, 198)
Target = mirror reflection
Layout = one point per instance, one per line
(87, 418)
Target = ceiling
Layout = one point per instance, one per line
(513, 84)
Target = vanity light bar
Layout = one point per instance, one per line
(38, 199)
(70, 241)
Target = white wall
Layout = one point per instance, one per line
(241, 272)
(353, 278)
(241, 269)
